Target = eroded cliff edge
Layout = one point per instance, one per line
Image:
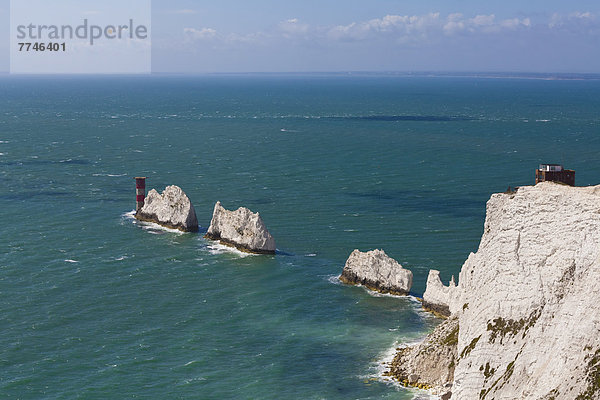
(527, 303)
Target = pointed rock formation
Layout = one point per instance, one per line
(437, 296)
(242, 229)
(375, 270)
(171, 209)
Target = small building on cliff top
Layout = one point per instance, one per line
(554, 173)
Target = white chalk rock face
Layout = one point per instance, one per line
(527, 301)
(171, 209)
(437, 296)
(242, 229)
(375, 270)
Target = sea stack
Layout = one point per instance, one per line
(437, 296)
(242, 229)
(526, 305)
(376, 271)
(171, 209)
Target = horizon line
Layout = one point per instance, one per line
(420, 73)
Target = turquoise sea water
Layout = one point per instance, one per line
(95, 306)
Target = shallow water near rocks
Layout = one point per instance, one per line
(96, 306)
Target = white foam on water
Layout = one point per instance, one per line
(2, 154)
(373, 293)
(71, 261)
(110, 175)
(381, 366)
(218, 248)
(335, 279)
(310, 255)
(542, 120)
(150, 227)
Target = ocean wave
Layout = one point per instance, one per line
(110, 175)
(216, 248)
(374, 293)
(150, 227)
(368, 118)
(381, 366)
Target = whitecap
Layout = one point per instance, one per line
(110, 175)
(335, 279)
(152, 227)
(71, 261)
(218, 248)
(310, 255)
(373, 293)
(2, 154)
(149, 227)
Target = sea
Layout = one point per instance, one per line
(95, 305)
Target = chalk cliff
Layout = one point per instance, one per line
(527, 302)
(242, 229)
(375, 270)
(171, 209)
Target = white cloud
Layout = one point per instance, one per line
(571, 20)
(200, 34)
(483, 20)
(400, 29)
(402, 26)
(457, 23)
(293, 27)
(515, 23)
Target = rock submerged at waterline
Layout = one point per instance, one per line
(526, 304)
(171, 209)
(242, 229)
(377, 271)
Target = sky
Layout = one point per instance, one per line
(368, 35)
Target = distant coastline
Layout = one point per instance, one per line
(546, 76)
